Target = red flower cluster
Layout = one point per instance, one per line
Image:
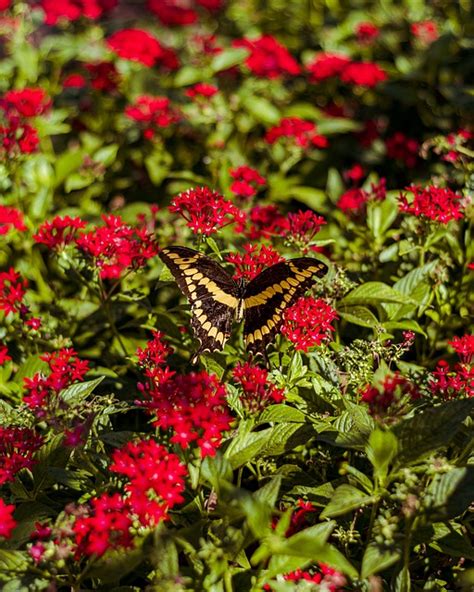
(333, 65)
(4, 357)
(440, 204)
(10, 218)
(27, 102)
(173, 12)
(117, 248)
(17, 446)
(402, 148)
(355, 199)
(308, 323)
(464, 347)
(102, 76)
(12, 292)
(298, 131)
(155, 479)
(253, 261)
(7, 522)
(201, 91)
(366, 33)
(205, 210)
(268, 58)
(355, 174)
(391, 391)
(155, 353)
(452, 383)
(154, 113)
(264, 222)
(42, 392)
(425, 31)
(328, 579)
(246, 182)
(303, 226)
(139, 46)
(72, 10)
(258, 391)
(59, 232)
(18, 137)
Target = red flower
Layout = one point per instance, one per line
(303, 226)
(435, 203)
(17, 137)
(154, 112)
(4, 357)
(173, 12)
(268, 58)
(252, 262)
(265, 222)
(246, 181)
(205, 211)
(327, 579)
(192, 406)
(155, 353)
(211, 5)
(355, 174)
(300, 132)
(201, 91)
(353, 200)
(103, 76)
(156, 479)
(400, 147)
(59, 232)
(258, 391)
(452, 383)
(10, 218)
(12, 291)
(72, 10)
(308, 322)
(464, 347)
(139, 46)
(7, 522)
(363, 74)
(367, 33)
(74, 81)
(369, 133)
(27, 102)
(17, 446)
(5, 4)
(327, 65)
(117, 248)
(425, 31)
(392, 390)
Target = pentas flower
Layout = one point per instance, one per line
(257, 391)
(117, 248)
(106, 526)
(246, 182)
(155, 353)
(139, 46)
(333, 65)
(211, 5)
(192, 406)
(173, 12)
(439, 204)
(59, 232)
(328, 579)
(17, 447)
(366, 33)
(268, 58)
(255, 259)
(327, 65)
(42, 391)
(17, 137)
(27, 102)
(452, 383)
(355, 174)
(303, 227)
(205, 211)
(206, 45)
(402, 148)
(464, 347)
(74, 81)
(264, 222)
(72, 10)
(308, 322)
(5, 4)
(365, 74)
(10, 218)
(201, 91)
(103, 76)
(7, 522)
(299, 518)
(4, 357)
(354, 200)
(425, 31)
(155, 479)
(154, 113)
(389, 393)
(297, 131)
(12, 291)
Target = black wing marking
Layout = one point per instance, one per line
(211, 291)
(268, 295)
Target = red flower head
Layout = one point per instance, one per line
(17, 137)
(5, 4)
(59, 232)
(258, 391)
(303, 226)
(452, 383)
(264, 222)
(173, 12)
(268, 58)
(155, 353)
(298, 131)
(153, 113)
(7, 522)
(308, 323)
(72, 10)
(425, 31)
(435, 203)
(12, 291)
(27, 102)
(246, 182)
(363, 74)
(4, 357)
(103, 76)
(355, 174)
(17, 447)
(390, 391)
(404, 149)
(353, 200)
(74, 81)
(139, 46)
(327, 65)
(253, 261)
(464, 347)
(205, 211)
(201, 91)
(367, 33)
(10, 218)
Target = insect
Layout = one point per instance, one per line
(217, 299)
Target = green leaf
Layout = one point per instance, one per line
(79, 391)
(337, 125)
(281, 414)
(374, 293)
(310, 196)
(344, 499)
(245, 446)
(381, 215)
(284, 437)
(269, 492)
(106, 155)
(233, 56)
(29, 368)
(13, 561)
(450, 494)
(261, 109)
(376, 559)
(191, 75)
(381, 449)
(216, 469)
(358, 315)
(158, 165)
(335, 185)
(114, 565)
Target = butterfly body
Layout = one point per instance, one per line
(217, 299)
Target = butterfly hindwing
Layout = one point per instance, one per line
(268, 295)
(211, 291)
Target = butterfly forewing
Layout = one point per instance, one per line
(211, 291)
(268, 295)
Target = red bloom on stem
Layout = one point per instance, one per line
(389, 392)
(303, 226)
(258, 391)
(402, 148)
(117, 248)
(327, 65)
(440, 204)
(7, 522)
(464, 347)
(264, 222)
(17, 447)
(246, 181)
(74, 80)
(155, 353)
(103, 76)
(367, 33)
(425, 31)
(452, 383)
(156, 479)
(298, 131)
(355, 174)
(5, 4)
(17, 137)
(201, 90)
(4, 357)
(59, 232)
(308, 322)
(10, 218)
(27, 102)
(205, 211)
(268, 58)
(253, 261)
(72, 10)
(173, 12)
(139, 46)
(363, 74)
(154, 113)
(353, 200)
(12, 291)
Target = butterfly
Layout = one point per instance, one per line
(217, 299)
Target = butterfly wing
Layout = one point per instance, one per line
(211, 291)
(268, 295)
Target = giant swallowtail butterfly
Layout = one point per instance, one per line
(216, 298)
